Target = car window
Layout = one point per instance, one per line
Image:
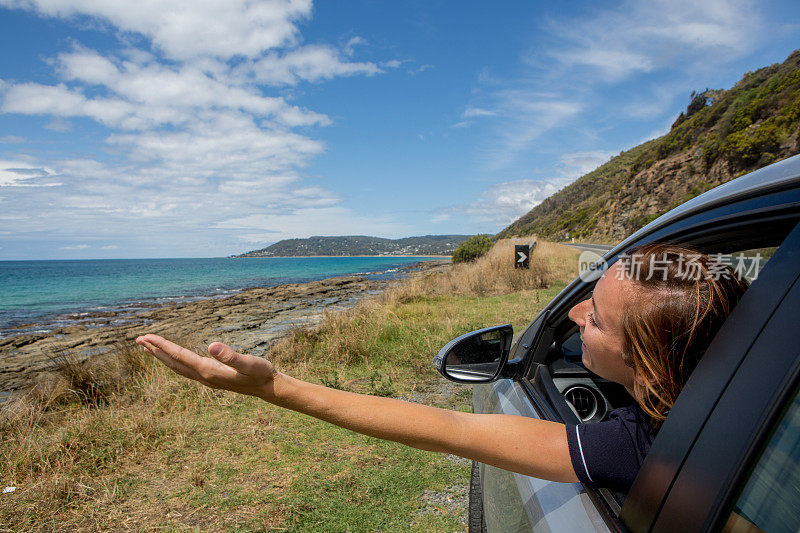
(747, 263)
(768, 501)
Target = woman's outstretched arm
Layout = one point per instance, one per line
(529, 446)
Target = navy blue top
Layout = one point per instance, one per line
(610, 453)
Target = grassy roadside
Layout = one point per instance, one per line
(124, 444)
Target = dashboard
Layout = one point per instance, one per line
(589, 396)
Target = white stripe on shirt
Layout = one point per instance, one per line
(580, 448)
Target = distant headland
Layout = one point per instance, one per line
(353, 245)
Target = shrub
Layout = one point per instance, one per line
(472, 248)
(746, 147)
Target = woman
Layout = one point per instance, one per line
(651, 316)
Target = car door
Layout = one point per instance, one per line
(514, 502)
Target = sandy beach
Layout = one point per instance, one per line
(249, 320)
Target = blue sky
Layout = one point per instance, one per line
(195, 129)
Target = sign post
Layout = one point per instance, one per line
(522, 254)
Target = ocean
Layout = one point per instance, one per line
(39, 296)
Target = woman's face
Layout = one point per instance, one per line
(600, 322)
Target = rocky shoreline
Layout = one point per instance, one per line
(249, 320)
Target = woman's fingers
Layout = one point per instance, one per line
(206, 370)
(248, 365)
(178, 353)
(169, 360)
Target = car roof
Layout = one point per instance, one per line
(784, 174)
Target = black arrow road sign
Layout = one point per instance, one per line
(522, 256)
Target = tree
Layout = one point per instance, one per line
(472, 248)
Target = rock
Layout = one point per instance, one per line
(251, 319)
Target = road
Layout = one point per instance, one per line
(596, 248)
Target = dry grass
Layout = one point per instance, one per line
(494, 273)
(90, 440)
(353, 337)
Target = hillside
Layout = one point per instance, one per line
(721, 135)
(361, 245)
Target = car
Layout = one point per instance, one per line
(728, 455)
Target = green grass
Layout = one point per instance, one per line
(164, 452)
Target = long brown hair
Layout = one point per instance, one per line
(681, 299)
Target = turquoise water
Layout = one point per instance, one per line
(41, 292)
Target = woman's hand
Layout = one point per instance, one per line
(228, 370)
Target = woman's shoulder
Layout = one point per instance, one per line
(611, 452)
(636, 421)
(632, 413)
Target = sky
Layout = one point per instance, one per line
(203, 128)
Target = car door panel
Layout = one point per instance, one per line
(514, 502)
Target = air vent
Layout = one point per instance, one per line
(584, 400)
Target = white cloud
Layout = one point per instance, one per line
(503, 203)
(195, 136)
(615, 64)
(506, 202)
(524, 117)
(11, 139)
(184, 29)
(131, 101)
(392, 63)
(60, 101)
(574, 74)
(308, 63)
(349, 47)
(75, 247)
(226, 145)
(642, 36)
(59, 125)
(23, 174)
(658, 132)
(653, 103)
(577, 164)
(473, 112)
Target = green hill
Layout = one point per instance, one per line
(361, 245)
(721, 135)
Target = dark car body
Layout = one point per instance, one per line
(728, 453)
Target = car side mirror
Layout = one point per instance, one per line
(476, 357)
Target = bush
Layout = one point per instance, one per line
(746, 147)
(472, 248)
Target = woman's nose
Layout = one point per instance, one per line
(577, 315)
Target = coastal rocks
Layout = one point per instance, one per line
(249, 321)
